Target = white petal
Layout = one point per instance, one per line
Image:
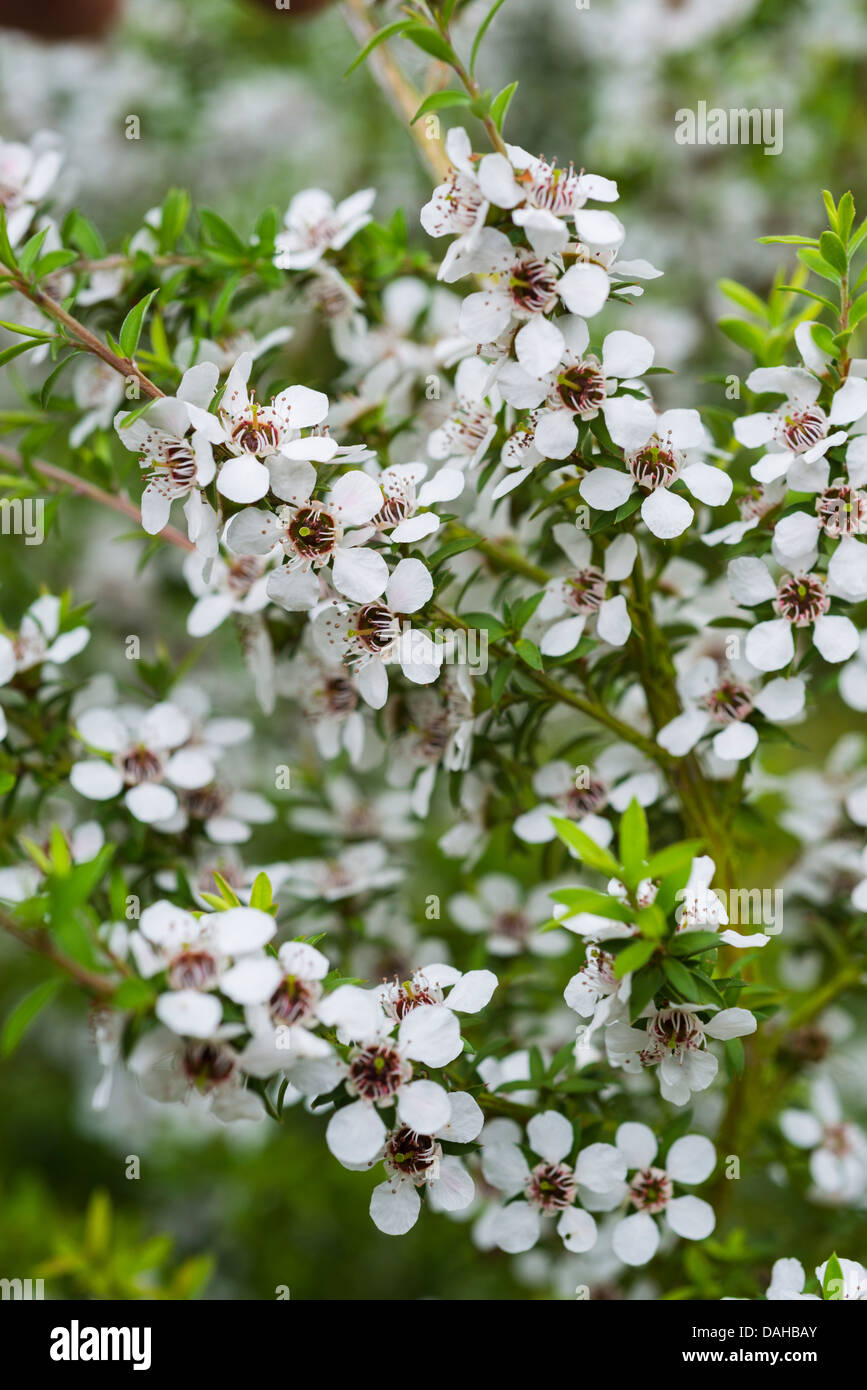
(355, 1134)
(731, 1023)
(431, 1034)
(241, 929)
(394, 1207)
(770, 646)
(600, 1167)
(709, 485)
(539, 346)
(424, 1106)
(635, 1239)
(613, 623)
(243, 480)
(190, 1013)
(735, 742)
(516, 1228)
(584, 289)
(690, 1217)
(836, 638)
(626, 354)
(637, 1143)
(550, 1135)
(691, 1159)
(151, 802)
(410, 586)
(359, 573)
(666, 514)
(605, 489)
(577, 1230)
(473, 991)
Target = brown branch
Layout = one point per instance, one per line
(37, 939)
(96, 494)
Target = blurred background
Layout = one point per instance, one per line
(244, 105)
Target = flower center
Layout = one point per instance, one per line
(583, 801)
(585, 591)
(403, 998)
(802, 429)
(672, 1030)
(653, 467)
(728, 702)
(413, 1155)
(378, 1072)
(513, 925)
(243, 574)
(842, 511)
(208, 1064)
(532, 285)
(181, 463)
(254, 436)
(555, 190)
(651, 1190)
(551, 1187)
(802, 599)
(312, 533)
(140, 764)
(293, 1000)
(192, 970)
(582, 389)
(374, 628)
(201, 803)
(339, 695)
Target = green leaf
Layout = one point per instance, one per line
(439, 101)
(633, 843)
(7, 255)
(529, 653)
(482, 30)
(227, 893)
(601, 904)
(636, 954)
(746, 335)
(679, 977)
(816, 262)
(24, 1013)
(823, 338)
(501, 678)
(40, 334)
(644, 985)
(134, 994)
(261, 895)
(593, 855)
(833, 251)
(501, 103)
(832, 1284)
(787, 241)
(739, 294)
(132, 325)
(30, 251)
(382, 34)
(430, 41)
(692, 943)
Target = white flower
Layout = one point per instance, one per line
(38, 640)
(656, 449)
(221, 589)
(379, 1070)
(27, 172)
(195, 954)
(549, 1189)
(618, 775)
(98, 391)
(787, 1283)
(201, 1071)
(799, 429)
(177, 466)
(147, 758)
(457, 207)
(354, 870)
(253, 432)
(570, 602)
(370, 638)
(675, 1040)
(801, 600)
(462, 441)
(854, 1281)
(463, 993)
(577, 388)
(509, 916)
(838, 1161)
(314, 534)
(603, 1187)
(413, 1161)
(314, 225)
(699, 908)
(596, 993)
(715, 699)
(406, 497)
